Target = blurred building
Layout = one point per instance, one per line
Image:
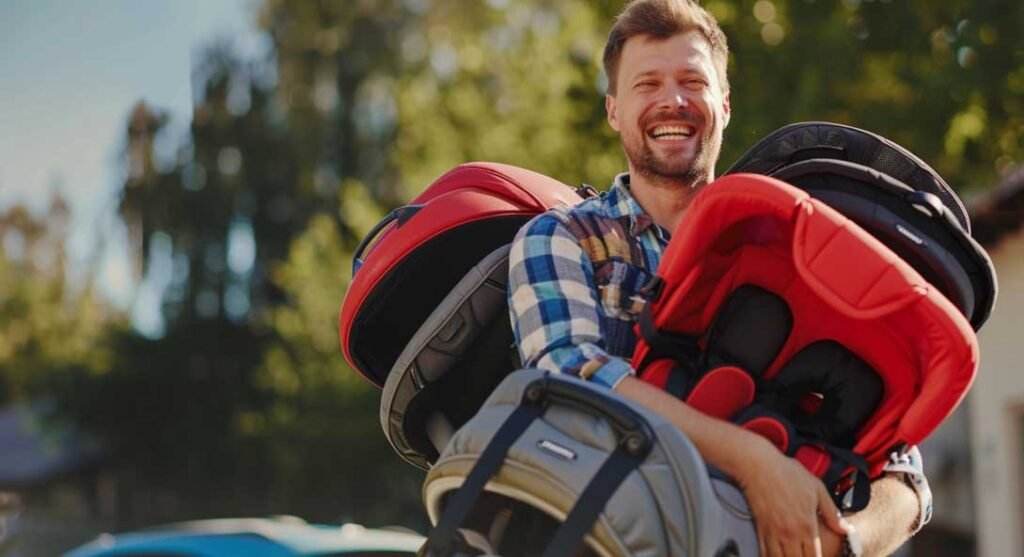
(997, 398)
(949, 467)
(974, 462)
(55, 488)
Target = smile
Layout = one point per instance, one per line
(673, 132)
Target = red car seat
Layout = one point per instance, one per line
(423, 249)
(774, 310)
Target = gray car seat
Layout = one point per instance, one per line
(431, 414)
(602, 476)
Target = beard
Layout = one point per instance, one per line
(678, 167)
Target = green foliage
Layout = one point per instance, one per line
(237, 169)
(519, 84)
(322, 427)
(334, 61)
(44, 326)
(230, 412)
(938, 78)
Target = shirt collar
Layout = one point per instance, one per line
(621, 203)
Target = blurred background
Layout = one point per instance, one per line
(182, 185)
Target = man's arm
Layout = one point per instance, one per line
(785, 499)
(554, 307)
(883, 526)
(896, 510)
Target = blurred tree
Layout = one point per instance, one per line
(336, 62)
(942, 79)
(44, 325)
(240, 404)
(518, 82)
(323, 427)
(229, 204)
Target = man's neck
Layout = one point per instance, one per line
(664, 199)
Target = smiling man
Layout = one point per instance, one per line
(670, 105)
(577, 274)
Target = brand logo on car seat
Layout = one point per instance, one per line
(555, 449)
(910, 235)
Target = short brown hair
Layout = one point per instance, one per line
(662, 19)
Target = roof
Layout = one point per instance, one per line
(35, 452)
(1000, 212)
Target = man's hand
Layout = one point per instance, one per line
(787, 501)
(788, 504)
(832, 544)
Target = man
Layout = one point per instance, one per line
(576, 276)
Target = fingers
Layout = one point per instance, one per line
(829, 513)
(787, 507)
(805, 549)
(802, 548)
(791, 534)
(803, 541)
(778, 549)
(811, 547)
(815, 547)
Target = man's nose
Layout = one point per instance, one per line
(675, 97)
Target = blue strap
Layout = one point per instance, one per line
(592, 501)
(861, 490)
(635, 443)
(442, 537)
(680, 381)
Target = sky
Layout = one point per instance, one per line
(70, 73)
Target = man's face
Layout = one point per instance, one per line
(669, 108)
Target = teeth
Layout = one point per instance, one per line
(662, 131)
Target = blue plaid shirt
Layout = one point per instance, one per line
(575, 275)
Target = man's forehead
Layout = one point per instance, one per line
(644, 52)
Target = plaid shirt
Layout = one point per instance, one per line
(575, 275)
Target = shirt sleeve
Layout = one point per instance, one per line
(553, 305)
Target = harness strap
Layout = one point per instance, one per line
(634, 444)
(586, 191)
(857, 496)
(757, 418)
(679, 381)
(442, 537)
(682, 348)
(592, 501)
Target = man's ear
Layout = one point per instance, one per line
(609, 107)
(726, 109)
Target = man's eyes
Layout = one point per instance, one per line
(694, 84)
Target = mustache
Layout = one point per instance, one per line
(686, 116)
